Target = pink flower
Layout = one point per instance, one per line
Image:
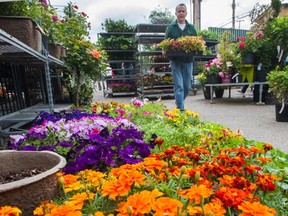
(137, 103)
(221, 74)
(54, 18)
(75, 7)
(241, 45)
(44, 2)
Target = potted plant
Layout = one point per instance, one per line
(278, 86)
(212, 69)
(184, 46)
(16, 20)
(202, 78)
(247, 46)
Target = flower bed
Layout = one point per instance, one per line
(210, 171)
(86, 140)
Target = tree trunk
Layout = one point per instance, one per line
(77, 88)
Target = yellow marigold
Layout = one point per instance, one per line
(9, 211)
(74, 187)
(93, 177)
(44, 208)
(255, 209)
(96, 54)
(167, 206)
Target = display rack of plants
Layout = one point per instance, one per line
(152, 65)
(118, 41)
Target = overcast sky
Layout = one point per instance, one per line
(214, 13)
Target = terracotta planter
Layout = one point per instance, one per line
(24, 29)
(55, 50)
(29, 192)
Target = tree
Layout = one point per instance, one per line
(160, 16)
(84, 61)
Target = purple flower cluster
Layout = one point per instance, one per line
(87, 141)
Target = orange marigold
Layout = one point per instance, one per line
(267, 147)
(266, 182)
(9, 211)
(139, 203)
(215, 207)
(167, 206)
(197, 193)
(255, 209)
(65, 210)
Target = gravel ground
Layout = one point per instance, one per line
(257, 122)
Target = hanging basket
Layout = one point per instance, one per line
(24, 29)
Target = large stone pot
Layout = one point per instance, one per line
(28, 193)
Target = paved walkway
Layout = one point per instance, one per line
(257, 122)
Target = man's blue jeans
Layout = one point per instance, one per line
(182, 81)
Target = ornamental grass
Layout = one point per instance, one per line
(193, 168)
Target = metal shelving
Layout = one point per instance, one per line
(150, 70)
(14, 51)
(122, 63)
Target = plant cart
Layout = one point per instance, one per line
(120, 79)
(154, 74)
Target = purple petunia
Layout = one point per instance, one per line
(87, 141)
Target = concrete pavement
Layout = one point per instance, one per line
(257, 122)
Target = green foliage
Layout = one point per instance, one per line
(276, 5)
(160, 16)
(208, 34)
(17, 8)
(117, 26)
(202, 78)
(276, 32)
(278, 84)
(116, 42)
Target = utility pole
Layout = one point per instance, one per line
(233, 13)
(197, 13)
(239, 21)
